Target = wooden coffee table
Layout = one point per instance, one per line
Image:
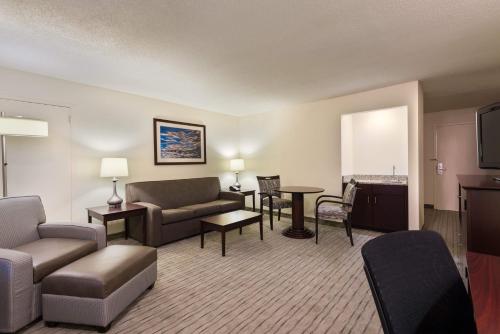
(227, 222)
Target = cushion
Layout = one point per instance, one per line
(349, 192)
(228, 205)
(203, 209)
(176, 215)
(101, 273)
(328, 211)
(51, 254)
(278, 203)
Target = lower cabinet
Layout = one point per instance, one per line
(381, 207)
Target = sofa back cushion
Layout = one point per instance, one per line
(19, 220)
(171, 194)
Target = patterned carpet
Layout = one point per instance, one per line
(278, 285)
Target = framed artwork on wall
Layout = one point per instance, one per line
(178, 143)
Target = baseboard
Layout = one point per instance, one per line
(429, 206)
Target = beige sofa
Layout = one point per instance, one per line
(176, 206)
(30, 250)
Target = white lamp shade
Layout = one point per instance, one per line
(13, 126)
(237, 165)
(114, 167)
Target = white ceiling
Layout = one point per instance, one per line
(240, 57)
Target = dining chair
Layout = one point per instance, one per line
(335, 210)
(271, 198)
(416, 284)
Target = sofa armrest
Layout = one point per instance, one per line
(154, 220)
(233, 196)
(16, 289)
(94, 232)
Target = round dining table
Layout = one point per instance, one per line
(297, 230)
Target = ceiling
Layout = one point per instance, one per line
(240, 57)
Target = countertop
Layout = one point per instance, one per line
(378, 179)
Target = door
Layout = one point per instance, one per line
(456, 153)
(361, 213)
(41, 166)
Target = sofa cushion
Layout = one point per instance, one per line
(101, 273)
(50, 254)
(176, 215)
(203, 209)
(227, 205)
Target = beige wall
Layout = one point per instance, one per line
(106, 123)
(375, 141)
(302, 143)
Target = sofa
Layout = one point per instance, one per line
(30, 250)
(175, 207)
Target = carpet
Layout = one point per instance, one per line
(278, 285)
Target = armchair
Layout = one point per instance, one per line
(30, 249)
(340, 209)
(271, 198)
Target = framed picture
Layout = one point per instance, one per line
(178, 143)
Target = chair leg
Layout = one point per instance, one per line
(316, 228)
(271, 217)
(346, 228)
(279, 214)
(350, 231)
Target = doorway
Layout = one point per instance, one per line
(455, 153)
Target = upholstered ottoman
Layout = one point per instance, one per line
(95, 289)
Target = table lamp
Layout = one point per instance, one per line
(114, 167)
(237, 165)
(22, 127)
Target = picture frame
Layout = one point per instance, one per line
(179, 143)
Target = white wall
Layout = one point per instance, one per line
(107, 123)
(375, 141)
(302, 143)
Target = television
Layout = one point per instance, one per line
(488, 136)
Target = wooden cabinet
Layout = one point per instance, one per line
(381, 207)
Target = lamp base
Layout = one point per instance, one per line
(115, 201)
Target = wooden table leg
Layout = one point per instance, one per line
(105, 223)
(202, 235)
(241, 230)
(90, 219)
(261, 228)
(144, 229)
(297, 230)
(223, 240)
(126, 228)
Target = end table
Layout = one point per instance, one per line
(248, 192)
(127, 210)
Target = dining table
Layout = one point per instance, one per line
(297, 230)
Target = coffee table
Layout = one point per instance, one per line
(229, 221)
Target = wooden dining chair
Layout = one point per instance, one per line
(271, 198)
(337, 210)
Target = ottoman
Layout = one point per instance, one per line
(95, 289)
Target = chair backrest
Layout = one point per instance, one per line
(171, 194)
(267, 184)
(19, 220)
(416, 284)
(350, 192)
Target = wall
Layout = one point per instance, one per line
(302, 143)
(375, 141)
(107, 123)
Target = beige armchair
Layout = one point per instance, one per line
(31, 249)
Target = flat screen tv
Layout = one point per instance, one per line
(488, 136)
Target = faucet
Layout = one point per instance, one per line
(393, 170)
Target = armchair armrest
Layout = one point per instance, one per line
(16, 289)
(74, 231)
(323, 196)
(233, 196)
(154, 220)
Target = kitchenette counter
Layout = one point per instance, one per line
(378, 179)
